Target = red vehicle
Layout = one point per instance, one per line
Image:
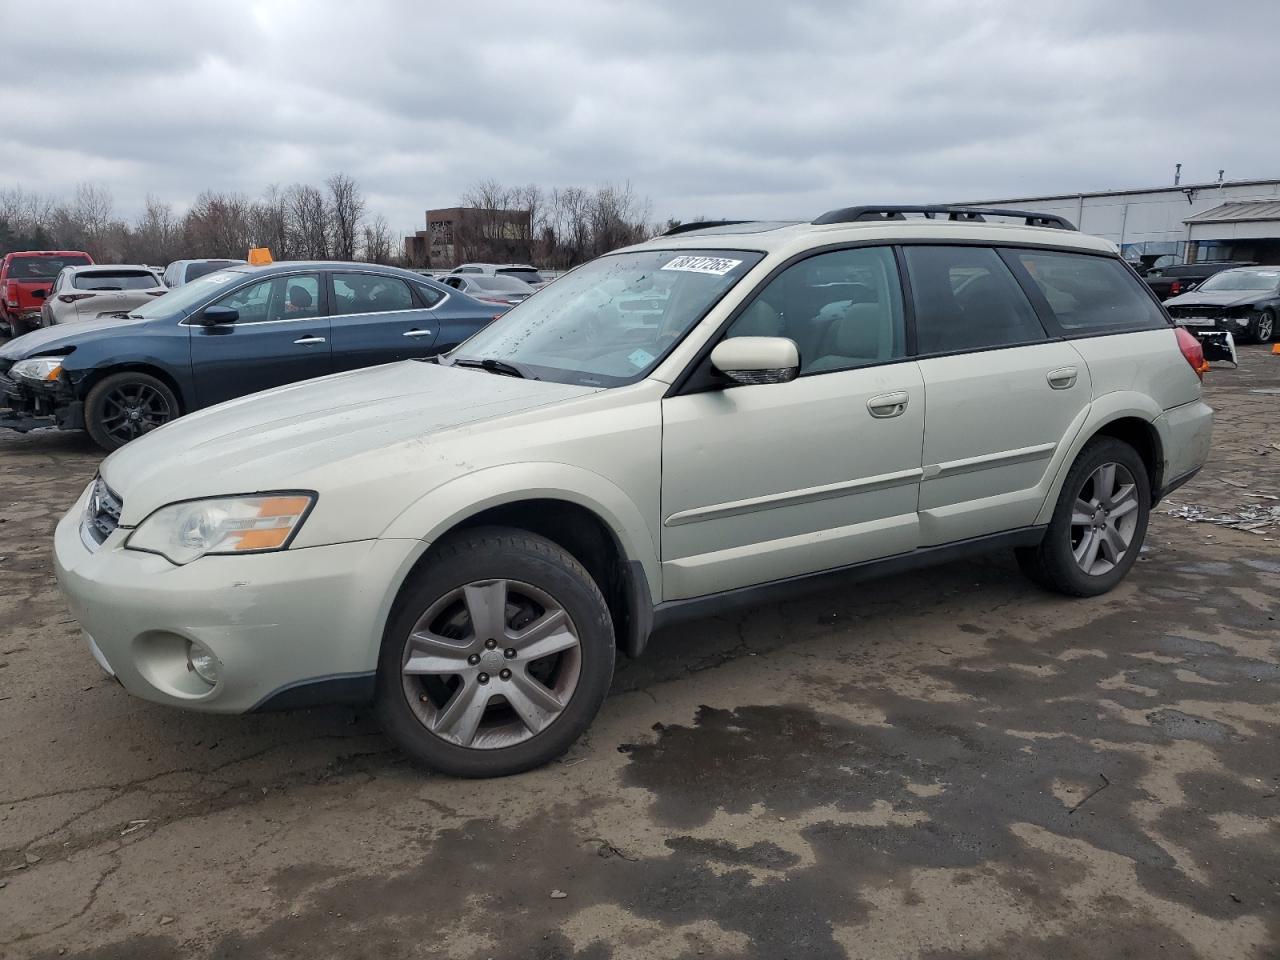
(25, 279)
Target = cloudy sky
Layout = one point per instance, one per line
(709, 107)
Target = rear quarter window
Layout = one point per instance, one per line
(1091, 294)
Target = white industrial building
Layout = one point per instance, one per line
(1184, 223)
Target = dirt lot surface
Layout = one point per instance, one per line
(949, 764)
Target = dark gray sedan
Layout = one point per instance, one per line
(1244, 301)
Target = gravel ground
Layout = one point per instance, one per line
(948, 764)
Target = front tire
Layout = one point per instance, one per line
(497, 656)
(1262, 327)
(1098, 525)
(124, 406)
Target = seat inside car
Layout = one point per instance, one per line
(862, 333)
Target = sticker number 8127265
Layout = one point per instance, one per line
(716, 266)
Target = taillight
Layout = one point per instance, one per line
(73, 297)
(1192, 350)
(9, 298)
(1175, 288)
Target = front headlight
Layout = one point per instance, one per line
(39, 369)
(182, 532)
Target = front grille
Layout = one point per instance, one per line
(1211, 312)
(102, 513)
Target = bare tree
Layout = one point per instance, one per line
(310, 220)
(154, 236)
(346, 211)
(377, 240)
(271, 223)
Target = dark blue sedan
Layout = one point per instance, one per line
(237, 331)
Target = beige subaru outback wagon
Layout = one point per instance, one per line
(718, 416)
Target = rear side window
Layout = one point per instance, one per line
(115, 280)
(369, 293)
(430, 295)
(1091, 294)
(967, 299)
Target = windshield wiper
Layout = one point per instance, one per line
(493, 366)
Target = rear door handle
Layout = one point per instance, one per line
(308, 340)
(419, 333)
(888, 404)
(1064, 378)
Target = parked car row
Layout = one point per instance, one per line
(468, 544)
(220, 336)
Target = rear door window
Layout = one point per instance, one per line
(967, 299)
(1090, 294)
(369, 293)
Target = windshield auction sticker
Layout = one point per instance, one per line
(716, 266)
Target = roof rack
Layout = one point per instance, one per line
(702, 224)
(970, 214)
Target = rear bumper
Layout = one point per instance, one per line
(1186, 432)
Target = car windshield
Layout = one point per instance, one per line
(509, 284)
(42, 268)
(1243, 280)
(579, 330)
(189, 295)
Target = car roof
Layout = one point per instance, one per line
(790, 236)
(293, 266)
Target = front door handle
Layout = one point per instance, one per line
(888, 404)
(418, 333)
(1064, 378)
(309, 340)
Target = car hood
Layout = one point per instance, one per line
(1217, 298)
(55, 339)
(343, 435)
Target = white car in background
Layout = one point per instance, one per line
(97, 291)
(520, 271)
(184, 271)
(468, 543)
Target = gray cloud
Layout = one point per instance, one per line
(718, 108)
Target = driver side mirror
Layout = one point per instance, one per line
(755, 360)
(216, 316)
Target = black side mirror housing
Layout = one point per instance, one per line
(216, 316)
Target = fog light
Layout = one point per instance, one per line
(202, 662)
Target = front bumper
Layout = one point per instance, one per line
(1229, 324)
(34, 405)
(276, 621)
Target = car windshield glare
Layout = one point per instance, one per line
(182, 299)
(1243, 280)
(611, 321)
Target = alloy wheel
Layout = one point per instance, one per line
(133, 409)
(1104, 519)
(491, 664)
(1266, 327)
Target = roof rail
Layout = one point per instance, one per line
(701, 224)
(973, 214)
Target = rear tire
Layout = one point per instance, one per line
(17, 327)
(1098, 525)
(457, 697)
(124, 406)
